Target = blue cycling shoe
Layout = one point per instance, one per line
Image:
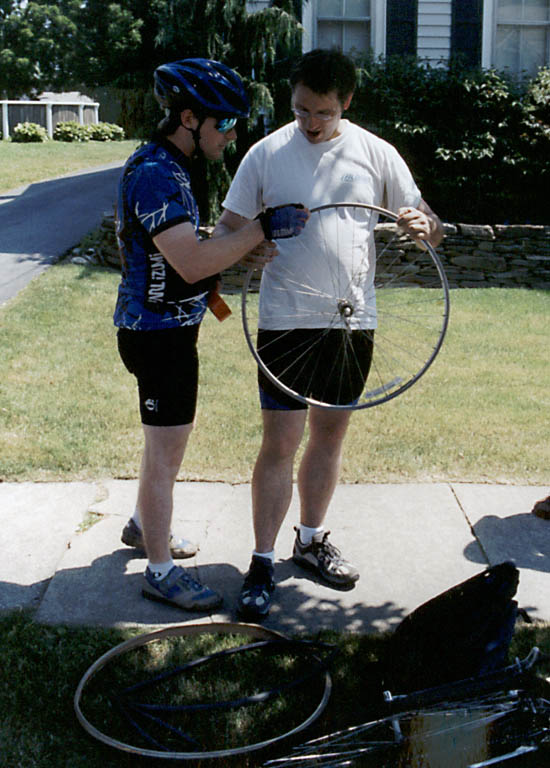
(180, 589)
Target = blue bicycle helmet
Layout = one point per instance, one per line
(213, 87)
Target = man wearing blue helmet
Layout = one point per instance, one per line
(168, 277)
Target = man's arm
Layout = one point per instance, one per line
(258, 256)
(421, 223)
(194, 259)
(229, 222)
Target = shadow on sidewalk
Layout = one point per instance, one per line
(107, 593)
(523, 538)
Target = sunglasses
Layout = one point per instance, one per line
(226, 124)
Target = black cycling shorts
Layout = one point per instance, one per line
(166, 366)
(330, 365)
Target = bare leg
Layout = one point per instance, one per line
(320, 466)
(317, 479)
(273, 474)
(162, 457)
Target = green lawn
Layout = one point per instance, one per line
(69, 410)
(42, 666)
(25, 163)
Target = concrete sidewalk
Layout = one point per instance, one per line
(62, 554)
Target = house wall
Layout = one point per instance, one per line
(434, 30)
(257, 5)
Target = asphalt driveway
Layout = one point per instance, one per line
(40, 222)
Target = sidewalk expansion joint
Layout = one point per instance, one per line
(470, 525)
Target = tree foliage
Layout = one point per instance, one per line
(478, 143)
(257, 45)
(48, 45)
(109, 42)
(80, 45)
(69, 43)
(36, 44)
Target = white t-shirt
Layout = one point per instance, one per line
(355, 166)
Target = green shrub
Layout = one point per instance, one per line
(29, 132)
(105, 132)
(70, 130)
(478, 143)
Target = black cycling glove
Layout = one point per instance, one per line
(283, 221)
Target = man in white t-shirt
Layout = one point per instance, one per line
(318, 159)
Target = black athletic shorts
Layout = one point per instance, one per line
(166, 366)
(330, 365)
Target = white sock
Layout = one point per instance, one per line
(136, 518)
(160, 570)
(306, 533)
(268, 555)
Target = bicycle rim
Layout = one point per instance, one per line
(405, 312)
(128, 736)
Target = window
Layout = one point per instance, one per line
(522, 35)
(344, 24)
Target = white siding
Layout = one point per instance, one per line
(308, 22)
(434, 30)
(256, 5)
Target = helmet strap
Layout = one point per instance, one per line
(196, 134)
(198, 170)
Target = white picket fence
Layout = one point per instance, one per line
(47, 113)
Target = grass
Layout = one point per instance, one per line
(480, 413)
(26, 163)
(69, 410)
(42, 665)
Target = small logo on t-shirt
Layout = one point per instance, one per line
(152, 405)
(349, 178)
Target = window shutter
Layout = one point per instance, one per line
(466, 31)
(401, 26)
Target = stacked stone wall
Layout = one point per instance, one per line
(476, 255)
(473, 255)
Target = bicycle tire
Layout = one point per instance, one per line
(410, 303)
(187, 630)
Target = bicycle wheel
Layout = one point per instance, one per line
(494, 722)
(372, 290)
(156, 696)
(470, 735)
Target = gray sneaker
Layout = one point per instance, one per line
(180, 589)
(180, 549)
(326, 560)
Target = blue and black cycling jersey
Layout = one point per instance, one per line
(154, 195)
